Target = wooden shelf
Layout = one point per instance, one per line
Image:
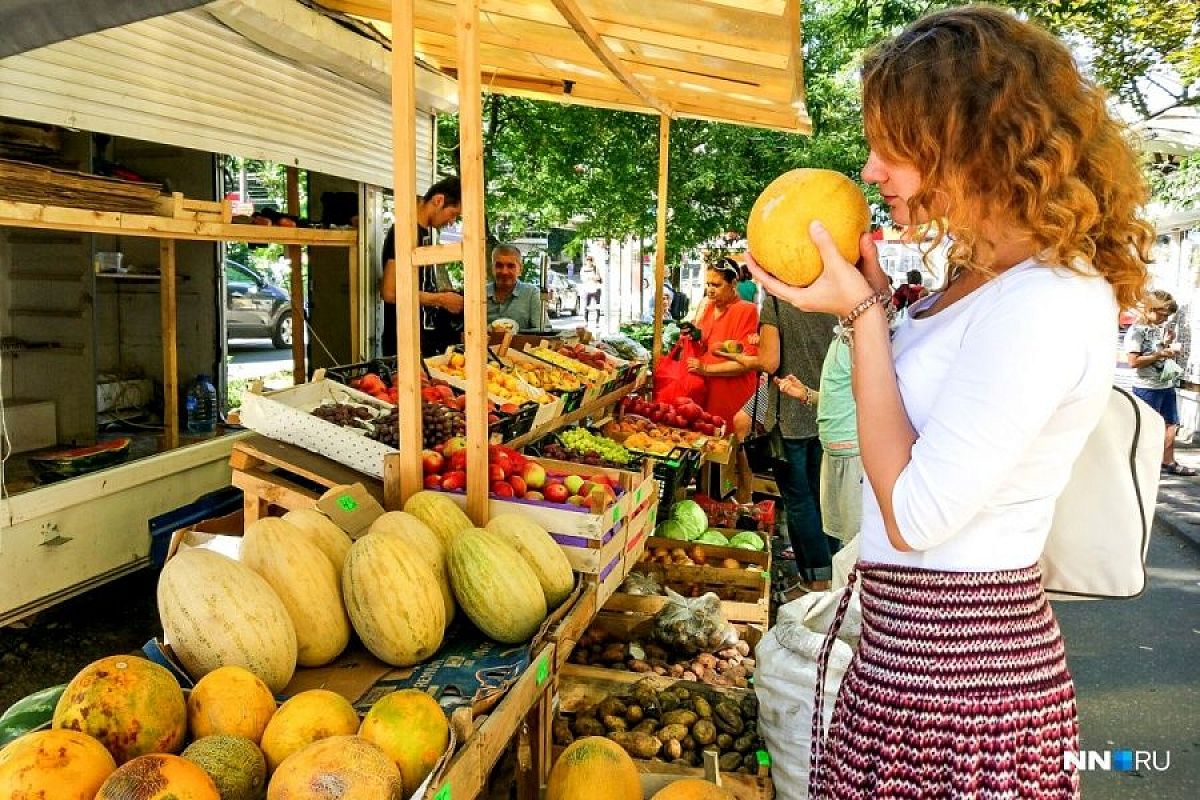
(133, 277)
(34, 215)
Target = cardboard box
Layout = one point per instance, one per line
(352, 508)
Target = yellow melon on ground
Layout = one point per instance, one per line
(309, 716)
(777, 231)
(232, 701)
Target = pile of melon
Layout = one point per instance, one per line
(300, 588)
(120, 729)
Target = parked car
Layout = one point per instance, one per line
(256, 308)
(564, 295)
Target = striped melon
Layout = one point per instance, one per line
(495, 587)
(416, 533)
(393, 598)
(307, 584)
(540, 552)
(321, 531)
(440, 513)
(216, 611)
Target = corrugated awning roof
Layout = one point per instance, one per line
(733, 61)
(1175, 131)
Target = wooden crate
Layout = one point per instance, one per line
(736, 585)
(580, 686)
(185, 208)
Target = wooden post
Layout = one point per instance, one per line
(169, 322)
(357, 336)
(660, 242)
(408, 311)
(475, 339)
(296, 257)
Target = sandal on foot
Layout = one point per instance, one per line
(793, 592)
(1175, 468)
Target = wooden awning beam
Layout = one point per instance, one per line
(583, 26)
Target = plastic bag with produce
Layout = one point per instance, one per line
(693, 624)
(641, 584)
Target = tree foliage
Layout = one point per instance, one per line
(553, 165)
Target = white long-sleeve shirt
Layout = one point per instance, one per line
(1003, 388)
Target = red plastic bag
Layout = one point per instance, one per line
(672, 379)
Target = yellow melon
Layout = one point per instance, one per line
(305, 718)
(778, 228)
(342, 767)
(692, 789)
(593, 768)
(411, 728)
(232, 701)
(66, 765)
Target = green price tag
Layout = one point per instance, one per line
(543, 672)
(764, 758)
(444, 792)
(347, 503)
(616, 517)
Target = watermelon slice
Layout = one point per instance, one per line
(70, 462)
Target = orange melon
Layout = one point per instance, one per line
(594, 768)
(159, 777)
(692, 789)
(302, 720)
(132, 706)
(341, 767)
(64, 765)
(777, 231)
(411, 728)
(232, 701)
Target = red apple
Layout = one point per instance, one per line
(555, 492)
(534, 475)
(518, 485)
(502, 489)
(496, 473)
(431, 461)
(585, 488)
(453, 481)
(433, 481)
(457, 461)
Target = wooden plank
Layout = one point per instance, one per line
(591, 37)
(357, 335)
(753, 613)
(16, 214)
(470, 132)
(660, 237)
(566, 634)
(169, 323)
(438, 254)
(310, 466)
(296, 257)
(407, 378)
(268, 489)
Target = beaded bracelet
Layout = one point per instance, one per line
(847, 322)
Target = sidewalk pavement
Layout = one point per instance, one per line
(1179, 498)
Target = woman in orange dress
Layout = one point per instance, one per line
(725, 318)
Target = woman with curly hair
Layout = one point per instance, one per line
(969, 419)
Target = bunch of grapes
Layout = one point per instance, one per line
(439, 423)
(347, 415)
(585, 444)
(387, 428)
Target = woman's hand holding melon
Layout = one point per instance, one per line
(840, 286)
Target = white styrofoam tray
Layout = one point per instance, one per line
(286, 415)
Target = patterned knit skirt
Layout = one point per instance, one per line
(959, 689)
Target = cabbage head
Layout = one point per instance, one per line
(712, 536)
(748, 540)
(672, 529)
(692, 517)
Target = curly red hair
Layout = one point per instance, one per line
(1002, 125)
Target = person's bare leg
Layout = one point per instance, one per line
(745, 477)
(1169, 445)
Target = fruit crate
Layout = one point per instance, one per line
(572, 399)
(712, 570)
(344, 373)
(675, 471)
(542, 412)
(758, 516)
(637, 464)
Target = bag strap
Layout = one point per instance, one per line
(818, 720)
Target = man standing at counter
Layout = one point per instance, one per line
(441, 306)
(508, 297)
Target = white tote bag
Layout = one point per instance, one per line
(1101, 530)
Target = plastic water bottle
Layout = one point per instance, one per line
(201, 406)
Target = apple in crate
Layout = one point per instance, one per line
(453, 481)
(534, 475)
(556, 492)
(502, 489)
(518, 485)
(534, 495)
(573, 483)
(433, 481)
(431, 461)
(454, 445)
(496, 473)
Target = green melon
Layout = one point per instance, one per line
(235, 764)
